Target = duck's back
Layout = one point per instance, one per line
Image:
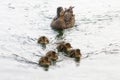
(71, 22)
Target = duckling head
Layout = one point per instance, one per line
(55, 57)
(61, 47)
(77, 53)
(68, 46)
(44, 61)
(43, 40)
(52, 55)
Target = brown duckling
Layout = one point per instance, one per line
(64, 47)
(43, 40)
(52, 55)
(59, 23)
(75, 53)
(44, 61)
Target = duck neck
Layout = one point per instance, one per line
(61, 17)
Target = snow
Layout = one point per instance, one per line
(96, 34)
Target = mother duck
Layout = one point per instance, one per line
(64, 19)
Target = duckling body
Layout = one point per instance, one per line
(44, 61)
(43, 40)
(64, 47)
(75, 53)
(52, 55)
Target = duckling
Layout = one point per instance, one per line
(43, 40)
(59, 23)
(75, 53)
(64, 47)
(52, 55)
(44, 61)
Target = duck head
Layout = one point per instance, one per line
(61, 16)
(59, 9)
(70, 9)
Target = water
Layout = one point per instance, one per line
(96, 33)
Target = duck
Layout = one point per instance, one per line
(52, 55)
(65, 19)
(64, 47)
(43, 40)
(75, 53)
(44, 61)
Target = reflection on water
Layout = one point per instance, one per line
(53, 63)
(45, 68)
(60, 33)
(77, 63)
(43, 46)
